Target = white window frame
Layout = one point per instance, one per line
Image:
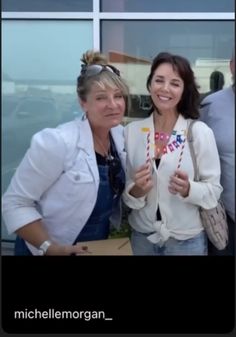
(96, 16)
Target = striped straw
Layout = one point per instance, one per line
(148, 148)
(148, 143)
(181, 153)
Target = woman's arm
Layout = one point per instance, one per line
(36, 234)
(42, 164)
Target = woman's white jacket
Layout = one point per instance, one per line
(180, 216)
(57, 181)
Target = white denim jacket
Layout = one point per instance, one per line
(57, 181)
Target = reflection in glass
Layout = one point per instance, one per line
(40, 67)
(180, 6)
(131, 45)
(47, 5)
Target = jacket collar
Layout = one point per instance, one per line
(181, 123)
(85, 139)
(118, 138)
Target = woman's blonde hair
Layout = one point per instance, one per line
(104, 78)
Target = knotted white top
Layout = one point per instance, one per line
(161, 234)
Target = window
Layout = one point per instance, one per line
(40, 64)
(133, 44)
(136, 6)
(47, 5)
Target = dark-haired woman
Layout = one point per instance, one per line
(160, 189)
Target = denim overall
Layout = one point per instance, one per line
(98, 225)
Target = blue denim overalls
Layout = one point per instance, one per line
(98, 225)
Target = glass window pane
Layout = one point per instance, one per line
(207, 45)
(40, 65)
(47, 5)
(167, 6)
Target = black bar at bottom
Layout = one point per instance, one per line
(118, 294)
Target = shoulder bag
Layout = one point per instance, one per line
(214, 220)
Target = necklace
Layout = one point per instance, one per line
(106, 153)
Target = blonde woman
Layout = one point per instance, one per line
(67, 188)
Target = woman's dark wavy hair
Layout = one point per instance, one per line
(188, 106)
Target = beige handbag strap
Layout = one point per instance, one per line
(190, 141)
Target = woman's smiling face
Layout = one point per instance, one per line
(166, 88)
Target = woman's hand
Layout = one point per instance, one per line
(143, 181)
(78, 249)
(179, 183)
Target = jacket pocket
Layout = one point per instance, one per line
(79, 177)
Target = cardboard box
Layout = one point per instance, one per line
(119, 246)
